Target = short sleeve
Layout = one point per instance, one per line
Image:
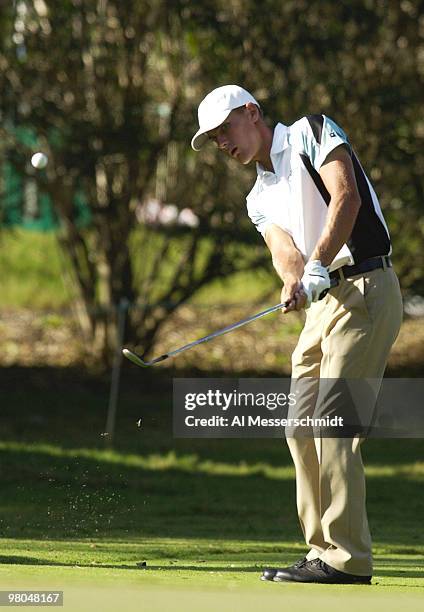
(270, 206)
(319, 135)
(259, 219)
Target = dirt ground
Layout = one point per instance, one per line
(31, 339)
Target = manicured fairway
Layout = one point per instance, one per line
(192, 575)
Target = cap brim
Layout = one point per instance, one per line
(200, 138)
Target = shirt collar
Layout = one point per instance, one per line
(279, 143)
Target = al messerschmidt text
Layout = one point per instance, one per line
(258, 421)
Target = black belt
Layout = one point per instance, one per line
(374, 263)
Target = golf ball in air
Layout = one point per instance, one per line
(39, 160)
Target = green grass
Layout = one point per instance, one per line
(205, 515)
(32, 270)
(238, 288)
(189, 575)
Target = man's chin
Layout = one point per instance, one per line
(243, 159)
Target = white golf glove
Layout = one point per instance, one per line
(315, 280)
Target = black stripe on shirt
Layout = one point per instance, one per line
(316, 177)
(316, 122)
(369, 237)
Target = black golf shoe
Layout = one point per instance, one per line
(318, 571)
(269, 572)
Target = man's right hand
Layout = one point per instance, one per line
(289, 264)
(294, 293)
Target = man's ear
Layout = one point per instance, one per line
(253, 111)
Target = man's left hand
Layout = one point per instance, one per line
(315, 280)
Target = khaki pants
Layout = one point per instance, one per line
(346, 335)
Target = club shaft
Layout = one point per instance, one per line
(226, 330)
(137, 359)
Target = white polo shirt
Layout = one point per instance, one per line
(295, 198)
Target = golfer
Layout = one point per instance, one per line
(322, 222)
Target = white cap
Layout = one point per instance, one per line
(216, 107)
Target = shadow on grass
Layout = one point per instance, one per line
(68, 407)
(411, 568)
(48, 496)
(400, 573)
(53, 497)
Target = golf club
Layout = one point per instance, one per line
(135, 358)
(144, 364)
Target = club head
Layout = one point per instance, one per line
(138, 360)
(134, 358)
